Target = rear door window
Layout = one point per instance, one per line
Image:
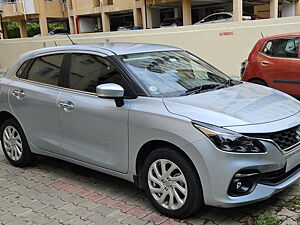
(21, 73)
(285, 48)
(46, 69)
(210, 18)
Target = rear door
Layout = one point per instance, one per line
(279, 64)
(33, 98)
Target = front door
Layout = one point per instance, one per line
(280, 64)
(95, 131)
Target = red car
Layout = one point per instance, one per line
(275, 62)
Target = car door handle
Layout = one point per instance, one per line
(264, 62)
(19, 93)
(66, 105)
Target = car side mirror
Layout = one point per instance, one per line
(111, 91)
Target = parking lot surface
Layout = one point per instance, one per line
(56, 192)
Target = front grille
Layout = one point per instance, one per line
(284, 139)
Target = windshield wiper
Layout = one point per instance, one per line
(203, 87)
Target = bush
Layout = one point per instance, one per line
(13, 29)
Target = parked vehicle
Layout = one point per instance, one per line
(125, 28)
(274, 61)
(171, 22)
(59, 32)
(154, 115)
(55, 32)
(223, 17)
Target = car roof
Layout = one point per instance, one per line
(281, 36)
(106, 48)
(218, 13)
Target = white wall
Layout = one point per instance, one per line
(223, 45)
(288, 8)
(86, 25)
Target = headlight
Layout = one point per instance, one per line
(230, 141)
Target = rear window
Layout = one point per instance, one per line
(285, 47)
(46, 69)
(21, 73)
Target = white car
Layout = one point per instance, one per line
(223, 17)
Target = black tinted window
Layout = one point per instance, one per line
(22, 70)
(211, 18)
(89, 71)
(282, 48)
(46, 69)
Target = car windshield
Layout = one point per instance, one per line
(174, 73)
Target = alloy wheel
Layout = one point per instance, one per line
(167, 184)
(12, 143)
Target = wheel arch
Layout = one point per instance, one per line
(4, 115)
(149, 147)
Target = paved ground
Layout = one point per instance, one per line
(56, 192)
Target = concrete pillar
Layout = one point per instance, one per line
(71, 17)
(273, 8)
(2, 31)
(149, 17)
(5, 35)
(297, 8)
(187, 12)
(76, 25)
(99, 25)
(105, 22)
(237, 10)
(43, 19)
(23, 29)
(144, 14)
(72, 25)
(137, 17)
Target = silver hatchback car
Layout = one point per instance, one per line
(154, 115)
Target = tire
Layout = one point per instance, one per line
(190, 202)
(15, 145)
(258, 81)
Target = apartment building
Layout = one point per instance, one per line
(41, 11)
(85, 16)
(108, 15)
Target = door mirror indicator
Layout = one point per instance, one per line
(111, 91)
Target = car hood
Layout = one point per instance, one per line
(239, 105)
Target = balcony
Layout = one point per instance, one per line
(11, 8)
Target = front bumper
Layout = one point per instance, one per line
(217, 169)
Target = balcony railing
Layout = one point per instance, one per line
(8, 1)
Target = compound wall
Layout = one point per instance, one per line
(223, 45)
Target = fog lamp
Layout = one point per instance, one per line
(243, 183)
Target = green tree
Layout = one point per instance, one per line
(13, 29)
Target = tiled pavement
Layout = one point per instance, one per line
(55, 192)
